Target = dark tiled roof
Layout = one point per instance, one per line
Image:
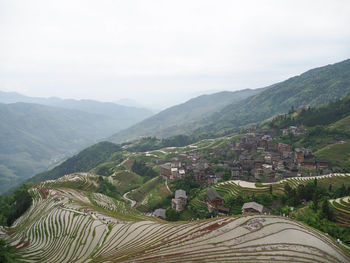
(160, 213)
(212, 195)
(253, 205)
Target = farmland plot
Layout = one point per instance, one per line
(63, 226)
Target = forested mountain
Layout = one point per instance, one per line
(38, 132)
(183, 118)
(34, 137)
(314, 87)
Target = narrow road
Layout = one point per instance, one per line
(125, 196)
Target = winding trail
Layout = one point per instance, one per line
(125, 196)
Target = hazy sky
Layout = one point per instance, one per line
(161, 52)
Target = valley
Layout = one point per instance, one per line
(275, 190)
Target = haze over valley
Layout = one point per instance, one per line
(174, 131)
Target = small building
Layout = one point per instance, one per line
(179, 202)
(282, 147)
(252, 208)
(160, 213)
(182, 173)
(223, 210)
(213, 198)
(174, 173)
(212, 180)
(321, 164)
(236, 173)
(309, 163)
(165, 171)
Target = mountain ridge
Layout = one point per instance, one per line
(182, 118)
(315, 87)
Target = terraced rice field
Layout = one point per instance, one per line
(235, 187)
(342, 210)
(62, 226)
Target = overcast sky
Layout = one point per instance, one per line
(161, 52)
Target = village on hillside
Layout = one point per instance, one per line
(255, 157)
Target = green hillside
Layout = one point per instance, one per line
(82, 162)
(337, 154)
(183, 118)
(328, 131)
(315, 87)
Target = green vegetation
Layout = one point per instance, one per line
(318, 218)
(324, 115)
(319, 214)
(7, 254)
(107, 168)
(125, 180)
(336, 154)
(143, 170)
(341, 210)
(105, 187)
(151, 195)
(14, 205)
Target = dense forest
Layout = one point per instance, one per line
(12, 206)
(142, 169)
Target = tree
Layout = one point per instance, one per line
(172, 215)
(7, 254)
(326, 210)
(270, 189)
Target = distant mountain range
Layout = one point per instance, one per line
(183, 118)
(37, 135)
(123, 115)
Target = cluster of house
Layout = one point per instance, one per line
(294, 130)
(268, 160)
(260, 157)
(214, 203)
(188, 163)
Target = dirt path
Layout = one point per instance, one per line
(166, 184)
(125, 196)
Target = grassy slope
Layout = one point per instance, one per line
(150, 194)
(336, 154)
(342, 124)
(125, 180)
